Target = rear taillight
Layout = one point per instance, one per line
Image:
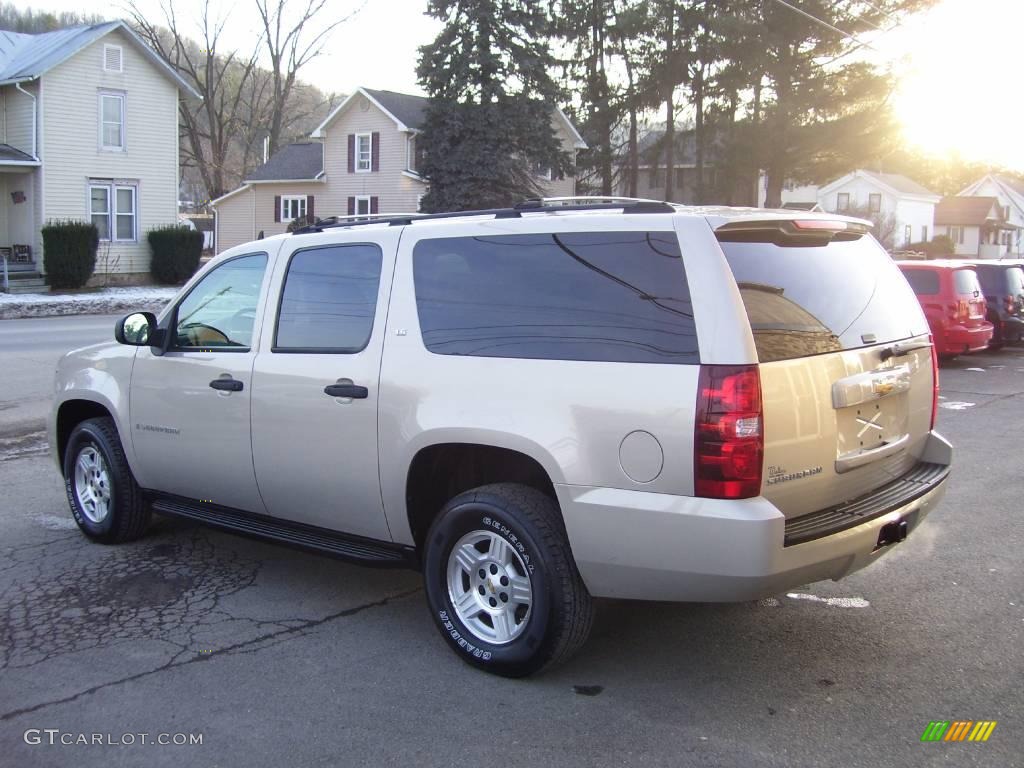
(1011, 304)
(729, 439)
(963, 311)
(935, 383)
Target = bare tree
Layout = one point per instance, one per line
(291, 40)
(222, 78)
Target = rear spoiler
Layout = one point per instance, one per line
(793, 232)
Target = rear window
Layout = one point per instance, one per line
(965, 282)
(602, 296)
(925, 282)
(1016, 281)
(810, 300)
(996, 279)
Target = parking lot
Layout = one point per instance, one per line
(278, 657)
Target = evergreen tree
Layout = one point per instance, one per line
(488, 128)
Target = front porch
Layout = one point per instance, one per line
(19, 231)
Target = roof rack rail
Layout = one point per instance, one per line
(534, 202)
(538, 205)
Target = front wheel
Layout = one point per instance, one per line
(105, 500)
(501, 581)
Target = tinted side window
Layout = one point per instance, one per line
(924, 281)
(810, 300)
(609, 296)
(329, 299)
(220, 309)
(965, 282)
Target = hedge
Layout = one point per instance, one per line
(69, 252)
(176, 252)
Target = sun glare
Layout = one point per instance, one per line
(957, 93)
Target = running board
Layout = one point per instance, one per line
(355, 549)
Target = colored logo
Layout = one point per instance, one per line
(958, 730)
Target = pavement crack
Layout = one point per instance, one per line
(246, 646)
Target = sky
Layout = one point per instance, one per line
(957, 64)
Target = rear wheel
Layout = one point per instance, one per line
(501, 582)
(104, 498)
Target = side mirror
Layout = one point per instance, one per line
(138, 329)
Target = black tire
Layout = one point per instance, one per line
(997, 341)
(128, 514)
(561, 611)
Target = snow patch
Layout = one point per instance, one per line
(835, 602)
(982, 370)
(103, 301)
(954, 405)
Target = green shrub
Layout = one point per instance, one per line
(69, 252)
(939, 246)
(176, 252)
(300, 222)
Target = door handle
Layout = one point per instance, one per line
(227, 385)
(346, 390)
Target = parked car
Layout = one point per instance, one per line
(1003, 285)
(536, 406)
(951, 298)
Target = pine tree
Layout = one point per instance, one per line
(488, 128)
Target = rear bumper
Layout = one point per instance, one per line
(650, 546)
(1013, 328)
(957, 339)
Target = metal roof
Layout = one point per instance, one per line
(9, 154)
(27, 57)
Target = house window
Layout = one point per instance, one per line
(843, 201)
(411, 156)
(924, 233)
(112, 121)
(363, 205)
(542, 171)
(113, 208)
(875, 203)
(655, 179)
(908, 234)
(956, 234)
(293, 207)
(364, 152)
(113, 58)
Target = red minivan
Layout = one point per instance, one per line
(951, 298)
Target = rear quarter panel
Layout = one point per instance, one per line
(570, 416)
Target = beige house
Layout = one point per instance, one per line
(88, 131)
(362, 159)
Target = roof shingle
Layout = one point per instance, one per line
(408, 109)
(292, 162)
(969, 211)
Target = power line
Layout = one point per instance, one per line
(824, 23)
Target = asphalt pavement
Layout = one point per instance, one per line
(277, 657)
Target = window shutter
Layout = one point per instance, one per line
(374, 204)
(375, 151)
(277, 208)
(351, 206)
(351, 153)
(309, 208)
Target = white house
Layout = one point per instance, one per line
(88, 131)
(1010, 194)
(911, 206)
(976, 225)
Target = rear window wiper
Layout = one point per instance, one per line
(899, 350)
